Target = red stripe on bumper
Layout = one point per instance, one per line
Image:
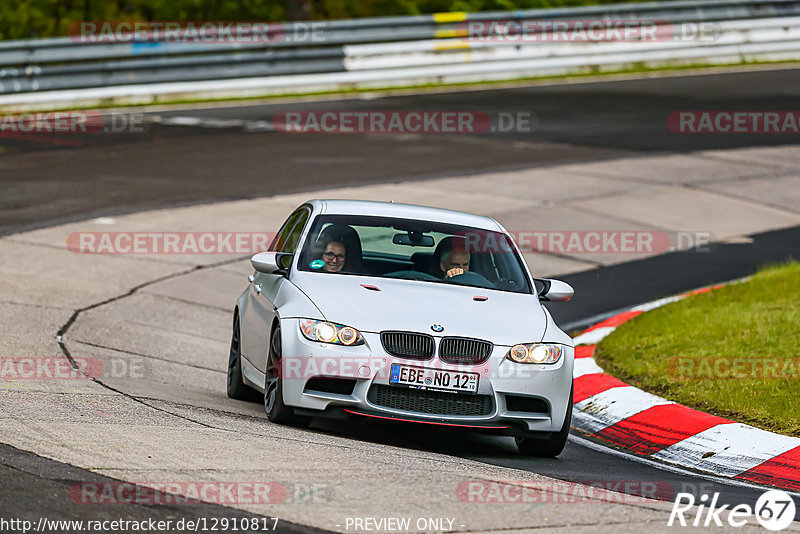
(659, 427)
(423, 422)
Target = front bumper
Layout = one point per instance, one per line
(512, 398)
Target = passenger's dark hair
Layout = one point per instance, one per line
(348, 237)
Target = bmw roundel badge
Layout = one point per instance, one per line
(437, 328)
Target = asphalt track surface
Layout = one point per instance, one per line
(46, 182)
(34, 487)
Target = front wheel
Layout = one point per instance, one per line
(277, 411)
(552, 446)
(236, 386)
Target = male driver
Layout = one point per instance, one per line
(454, 259)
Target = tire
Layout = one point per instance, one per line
(236, 386)
(552, 446)
(277, 411)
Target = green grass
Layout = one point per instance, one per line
(754, 326)
(24, 19)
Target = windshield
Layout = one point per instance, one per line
(413, 250)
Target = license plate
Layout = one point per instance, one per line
(433, 379)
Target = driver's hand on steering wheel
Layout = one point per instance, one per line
(455, 271)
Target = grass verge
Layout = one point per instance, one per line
(733, 352)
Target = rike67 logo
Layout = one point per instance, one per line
(774, 510)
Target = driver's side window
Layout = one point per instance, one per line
(288, 236)
(290, 245)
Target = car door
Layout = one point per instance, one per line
(260, 305)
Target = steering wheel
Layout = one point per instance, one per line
(410, 275)
(471, 278)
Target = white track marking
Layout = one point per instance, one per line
(259, 126)
(646, 307)
(201, 122)
(583, 442)
(594, 336)
(585, 366)
(215, 123)
(734, 448)
(612, 406)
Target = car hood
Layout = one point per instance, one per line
(504, 319)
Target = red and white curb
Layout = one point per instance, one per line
(609, 409)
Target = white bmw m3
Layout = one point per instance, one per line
(392, 311)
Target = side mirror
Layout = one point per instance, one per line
(555, 290)
(271, 262)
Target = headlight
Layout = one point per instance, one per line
(539, 353)
(326, 332)
(518, 353)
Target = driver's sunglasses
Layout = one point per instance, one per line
(330, 256)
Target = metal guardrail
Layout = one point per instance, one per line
(412, 47)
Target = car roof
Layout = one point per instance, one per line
(403, 211)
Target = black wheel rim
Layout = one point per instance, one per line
(273, 366)
(233, 361)
(269, 398)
